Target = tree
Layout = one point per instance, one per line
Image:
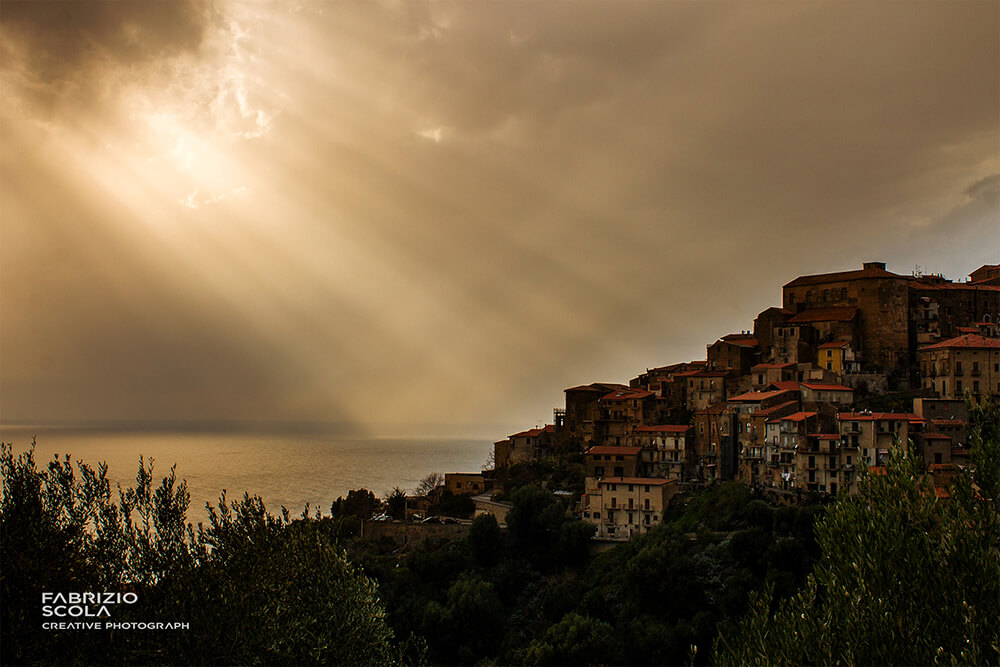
(904, 577)
(575, 640)
(361, 503)
(253, 587)
(984, 448)
(395, 503)
(429, 483)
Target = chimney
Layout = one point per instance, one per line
(873, 265)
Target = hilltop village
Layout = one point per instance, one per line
(816, 392)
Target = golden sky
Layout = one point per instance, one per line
(400, 214)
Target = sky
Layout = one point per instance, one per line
(406, 217)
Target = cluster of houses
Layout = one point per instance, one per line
(775, 406)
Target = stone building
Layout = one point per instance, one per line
(524, 447)
(576, 424)
(704, 388)
(667, 450)
(611, 461)
(621, 412)
(622, 507)
(969, 363)
(868, 436)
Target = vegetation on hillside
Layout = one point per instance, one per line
(253, 588)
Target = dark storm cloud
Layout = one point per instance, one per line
(454, 210)
(67, 37)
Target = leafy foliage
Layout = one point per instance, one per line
(904, 578)
(252, 587)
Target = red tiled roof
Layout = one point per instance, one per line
(776, 408)
(968, 341)
(755, 396)
(879, 416)
(824, 436)
(948, 422)
(650, 481)
(834, 344)
(612, 449)
(703, 374)
(534, 432)
(626, 394)
(665, 428)
(826, 387)
(972, 287)
(841, 276)
(936, 436)
(785, 385)
(831, 314)
(738, 342)
(767, 366)
(940, 492)
(799, 416)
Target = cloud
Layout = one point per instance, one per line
(986, 190)
(458, 209)
(69, 37)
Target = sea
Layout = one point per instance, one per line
(292, 470)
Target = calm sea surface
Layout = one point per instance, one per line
(284, 470)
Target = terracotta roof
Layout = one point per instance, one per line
(650, 481)
(776, 408)
(841, 276)
(775, 310)
(941, 493)
(972, 287)
(936, 436)
(767, 366)
(879, 416)
(534, 432)
(714, 409)
(832, 314)
(799, 416)
(824, 436)
(785, 385)
(704, 374)
(948, 422)
(665, 428)
(598, 386)
(826, 387)
(834, 344)
(626, 394)
(612, 449)
(755, 396)
(738, 342)
(877, 470)
(968, 341)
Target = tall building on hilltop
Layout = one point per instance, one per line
(885, 316)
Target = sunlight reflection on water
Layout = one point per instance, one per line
(289, 470)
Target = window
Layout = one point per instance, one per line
(597, 515)
(631, 517)
(958, 386)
